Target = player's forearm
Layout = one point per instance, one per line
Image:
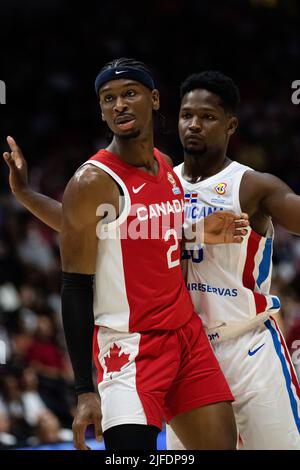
(199, 233)
(286, 212)
(43, 207)
(78, 322)
(292, 216)
(277, 200)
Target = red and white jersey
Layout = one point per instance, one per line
(138, 283)
(227, 283)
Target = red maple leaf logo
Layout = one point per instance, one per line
(114, 361)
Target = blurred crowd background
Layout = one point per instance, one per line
(50, 53)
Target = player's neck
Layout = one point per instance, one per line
(138, 152)
(197, 168)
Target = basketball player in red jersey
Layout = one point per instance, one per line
(152, 355)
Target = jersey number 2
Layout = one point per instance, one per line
(172, 233)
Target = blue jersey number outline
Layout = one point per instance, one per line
(195, 255)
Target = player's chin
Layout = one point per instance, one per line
(195, 149)
(129, 134)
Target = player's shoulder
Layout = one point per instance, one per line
(89, 179)
(89, 187)
(257, 187)
(167, 158)
(89, 175)
(258, 179)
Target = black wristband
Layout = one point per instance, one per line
(78, 322)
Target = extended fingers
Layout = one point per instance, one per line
(239, 234)
(241, 223)
(12, 143)
(237, 239)
(98, 430)
(240, 231)
(243, 216)
(8, 159)
(16, 153)
(231, 216)
(79, 436)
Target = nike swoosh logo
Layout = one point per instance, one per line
(136, 190)
(251, 353)
(120, 71)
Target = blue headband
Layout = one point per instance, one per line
(117, 73)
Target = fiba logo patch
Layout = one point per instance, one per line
(220, 188)
(175, 188)
(171, 178)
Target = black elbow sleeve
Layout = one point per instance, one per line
(78, 323)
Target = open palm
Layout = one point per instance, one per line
(18, 174)
(225, 227)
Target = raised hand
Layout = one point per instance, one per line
(44, 208)
(225, 227)
(18, 174)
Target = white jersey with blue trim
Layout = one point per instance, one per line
(228, 283)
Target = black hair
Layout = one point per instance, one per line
(125, 62)
(217, 83)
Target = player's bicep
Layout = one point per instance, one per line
(281, 203)
(78, 248)
(274, 192)
(78, 238)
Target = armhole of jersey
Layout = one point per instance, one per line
(121, 185)
(237, 205)
(236, 190)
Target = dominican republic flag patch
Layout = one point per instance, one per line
(190, 198)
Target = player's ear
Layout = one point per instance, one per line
(102, 115)
(232, 125)
(155, 100)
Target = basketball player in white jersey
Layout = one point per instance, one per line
(230, 285)
(152, 355)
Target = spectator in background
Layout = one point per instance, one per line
(44, 354)
(12, 399)
(47, 359)
(34, 406)
(6, 438)
(49, 430)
